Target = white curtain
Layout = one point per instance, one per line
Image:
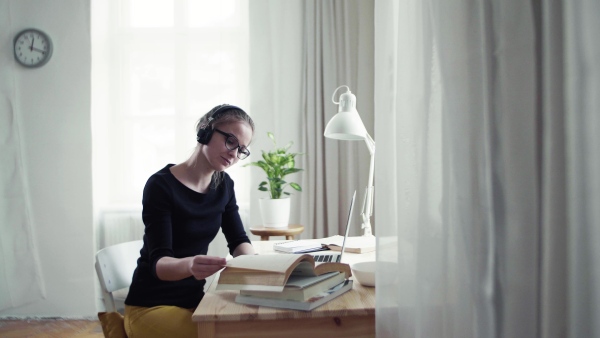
(487, 116)
(301, 51)
(21, 281)
(158, 66)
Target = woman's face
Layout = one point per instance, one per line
(216, 152)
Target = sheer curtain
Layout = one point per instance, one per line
(21, 279)
(487, 114)
(158, 66)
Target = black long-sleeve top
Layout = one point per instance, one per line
(180, 222)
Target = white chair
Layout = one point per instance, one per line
(115, 265)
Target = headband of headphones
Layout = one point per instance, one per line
(205, 131)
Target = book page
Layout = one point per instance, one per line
(322, 268)
(304, 269)
(273, 263)
(300, 282)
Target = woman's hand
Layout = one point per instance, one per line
(204, 266)
(172, 269)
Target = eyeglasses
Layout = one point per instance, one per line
(232, 143)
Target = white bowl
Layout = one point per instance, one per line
(364, 272)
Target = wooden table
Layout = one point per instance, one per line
(289, 232)
(349, 315)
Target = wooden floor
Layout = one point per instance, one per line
(50, 328)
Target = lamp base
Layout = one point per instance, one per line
(366, 226)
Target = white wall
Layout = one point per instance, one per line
(53, 103)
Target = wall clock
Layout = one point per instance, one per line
(32, 48)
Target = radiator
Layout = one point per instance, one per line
(118, 226)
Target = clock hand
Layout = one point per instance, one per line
(32, 40)
(38, 50)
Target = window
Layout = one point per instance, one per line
(157, 67)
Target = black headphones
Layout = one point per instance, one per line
(205, 131)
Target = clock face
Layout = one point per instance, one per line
(33, 48)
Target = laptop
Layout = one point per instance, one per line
(334, 256)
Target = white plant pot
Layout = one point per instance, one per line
(275, 212)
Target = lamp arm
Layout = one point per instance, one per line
(367, 210)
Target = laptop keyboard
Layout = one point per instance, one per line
(326, 258)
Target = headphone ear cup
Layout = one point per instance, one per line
(204, 134)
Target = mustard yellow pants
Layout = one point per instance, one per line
(159, 321)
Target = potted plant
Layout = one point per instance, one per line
(277, 164)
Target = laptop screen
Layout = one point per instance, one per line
(348, 224)
(337, 257)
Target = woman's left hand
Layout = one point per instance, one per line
(202, 266)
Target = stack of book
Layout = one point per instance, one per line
(285, 281)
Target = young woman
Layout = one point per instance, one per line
(184, 206)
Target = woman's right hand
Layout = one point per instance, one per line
(202, 266)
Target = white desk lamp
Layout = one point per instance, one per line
(347, 125)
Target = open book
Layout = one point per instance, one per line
(271, 272)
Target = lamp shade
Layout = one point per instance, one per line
(346, 124)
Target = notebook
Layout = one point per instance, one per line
(329, 256)
(299, 246)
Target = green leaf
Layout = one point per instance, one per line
(291, 171)
(266, 156)
(265, 167)
(277, 163)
